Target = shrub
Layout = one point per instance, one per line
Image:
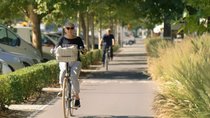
(182, 74)
(18, 85)
(153, 46)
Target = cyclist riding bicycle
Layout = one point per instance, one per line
(67, 39)
(107, 41)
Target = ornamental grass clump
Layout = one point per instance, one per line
(183, 76)
(153, 45)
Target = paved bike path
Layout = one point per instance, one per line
(123, 91)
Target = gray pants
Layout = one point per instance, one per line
(75, 71)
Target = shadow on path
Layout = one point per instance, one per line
(116, 117)
(130, 54)
(129, 63)
(128, 75)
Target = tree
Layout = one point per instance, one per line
(35, 11)
(197, 16)
(158, 11)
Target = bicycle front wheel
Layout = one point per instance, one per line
(66, 98)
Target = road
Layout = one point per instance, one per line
(123, 91)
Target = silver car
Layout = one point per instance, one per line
(4, 67)
(54, 36)
(27, 61)
(15, 60)
(11, 42)
(47, 42)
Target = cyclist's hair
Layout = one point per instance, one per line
(108, 30)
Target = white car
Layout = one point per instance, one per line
(47, 42)
(11, 42)
(4, 67)
(128, 38)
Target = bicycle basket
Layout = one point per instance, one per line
(66, 54)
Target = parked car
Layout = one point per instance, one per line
(13, 61)
(11, 42)
(55, 36)
(47, 44)
(4, 67)
(25, 60)
(47, 41)
(128, 38)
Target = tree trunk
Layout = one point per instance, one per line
(92, 31)
(100, 33)
(78, 23)
(208, 24)
(87, 31)
(36, 32)
(82, 19)
(167, 29)
(117, 37)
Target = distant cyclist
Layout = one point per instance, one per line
(67, 39)
(107, 41)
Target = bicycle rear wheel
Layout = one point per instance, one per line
(66, 98)
(107, 61)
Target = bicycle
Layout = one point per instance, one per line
(67, 54)
(107, 57)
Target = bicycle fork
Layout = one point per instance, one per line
(69, 93)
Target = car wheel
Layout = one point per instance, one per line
(11, 68)
(26, 64)
(45, 60)
(130, 42)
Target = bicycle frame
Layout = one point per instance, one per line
(107, 57)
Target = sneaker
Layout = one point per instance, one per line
(59, 94)
(77, 103)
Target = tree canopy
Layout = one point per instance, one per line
(106, 13)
